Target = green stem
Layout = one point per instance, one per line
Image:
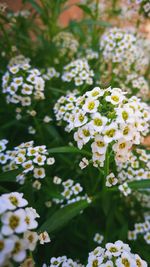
(106, 164)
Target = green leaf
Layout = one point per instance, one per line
(9, 176)
(100, 23)
(35, 5)
(68, 149)
(63, 216)
(86, 9)
(142, 184)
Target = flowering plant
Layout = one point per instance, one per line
(81, 89)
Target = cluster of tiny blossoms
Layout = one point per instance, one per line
(70, 192)
(136, 85)
(21, 83)
(104, 118)
(62, 261)
(31, 160)
(120, 46)
(114, 255)
(51, 73)
(66, 43)
(141, 230)
(79, 72)
(17, 222)
(136, 168)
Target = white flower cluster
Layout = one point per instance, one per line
(89, 54)
(66, 43)
(136, 85)
(50, 74)
(32, 161)
(62, 261)
(104, 118)
(142, 230)
(22, 13)
(21, 83)
(143, 198)
(120, 46)
(116, 254)
(136, 168)
(17, 222)
(70, 193)
(79, 72)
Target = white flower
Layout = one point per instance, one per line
(47, 119)
(147, 237)
(31, 238)
(111, 180)
(19, 251)
(39, 173)
(77, 189)
(111, 132)
(125, 189)
(68, 183)
(95, 93)
(13, 222)
(80, 119)
(28, 166)
(39, 159)
(98, 122)
(20, 159)
(37, 185)
(44, 238)
(127, 259)
(90, 105)
(30, 217)
(98, 238)
(116, 97)
(83, 163)
(50, 161)
(6, 246)
(113, 249)
(14, 200)
(57, 180)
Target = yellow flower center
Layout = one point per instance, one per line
(95, 263)
(115, 98)
(14, 221)
(122, 145)
(100, 143)
(126, 262)
(13, 200)
(1, 245)
(81, 118)
(95, 93)
(86, 132)
(110, 133)
(91, 105)
(98, 122)
(126, 130)
(125, 115)
(17, 248)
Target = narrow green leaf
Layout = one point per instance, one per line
(35, 5)
(86, 9)
(142, 184)
(100, 23)
(9, 176)
(63, 216)
(68, 149)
